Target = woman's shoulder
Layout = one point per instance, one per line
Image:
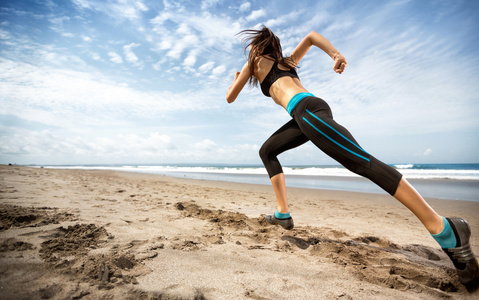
(262, 61)
(263, 65)
(263, 58)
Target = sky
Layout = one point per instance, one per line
(144, 81)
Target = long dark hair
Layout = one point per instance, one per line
(263, 42)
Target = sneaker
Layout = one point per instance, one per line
(462, 256)
(287, 224)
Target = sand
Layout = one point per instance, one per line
(77, 234)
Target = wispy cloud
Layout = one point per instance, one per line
(208, 4)
(131, 56)
(122, 9)
(115, 57)
(256, 14)
(246, 6)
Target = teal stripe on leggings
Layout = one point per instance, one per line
(332, 140)
(317, 118)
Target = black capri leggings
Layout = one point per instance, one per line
(313, 121)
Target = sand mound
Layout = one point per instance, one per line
(12, 244)
(18, 216)
(72, 250)
(68, 252)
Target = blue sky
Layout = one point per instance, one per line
(138, 81)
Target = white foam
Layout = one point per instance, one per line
(405, 169)
(405, 166)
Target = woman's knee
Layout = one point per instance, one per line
(265, 152)
(383, 175)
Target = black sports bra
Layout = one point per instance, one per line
(274, 74)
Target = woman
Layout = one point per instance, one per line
(312, 120)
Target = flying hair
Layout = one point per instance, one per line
(260, 43)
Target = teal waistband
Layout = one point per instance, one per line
(295, 100)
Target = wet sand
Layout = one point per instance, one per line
(76, 234)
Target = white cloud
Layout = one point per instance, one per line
(207, 4)
(256, 14)
(82, 3)
(68, 35)
(219, 70)
(141, 6)
(184, 29)
(122, 9)
(56, 96)
(45, 143)
(165, 44)
(95, 56)
(150, 145)
(206, 67)
(114, 57)
(160, 19)
(57, 23)
(168, 4)
(50, 55)
(289, 18)
(190, 60)
(187, 30)
(130, 56)
(157, 66)
(5, 35)
(47, 147)
(210, 151)
(245, 7)
(205, 145)
(181, 45)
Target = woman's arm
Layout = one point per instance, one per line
(314, 38)
(239, 81)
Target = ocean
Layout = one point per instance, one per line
(444, 181)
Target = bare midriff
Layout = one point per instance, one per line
(283, 89)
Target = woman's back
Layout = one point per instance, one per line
(284, 87)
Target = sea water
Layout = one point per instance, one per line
(446, 181)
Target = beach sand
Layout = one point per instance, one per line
(77, 234)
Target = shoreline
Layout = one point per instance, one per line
(447, 189)
(137, 235)
(440, 188)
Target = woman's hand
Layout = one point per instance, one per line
(339, 63)
(314, 38)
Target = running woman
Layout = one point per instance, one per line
(312, 120)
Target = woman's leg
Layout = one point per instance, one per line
(287, 137)
(452, 234)
(279, 186)
(336, 141)
(409, 197)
